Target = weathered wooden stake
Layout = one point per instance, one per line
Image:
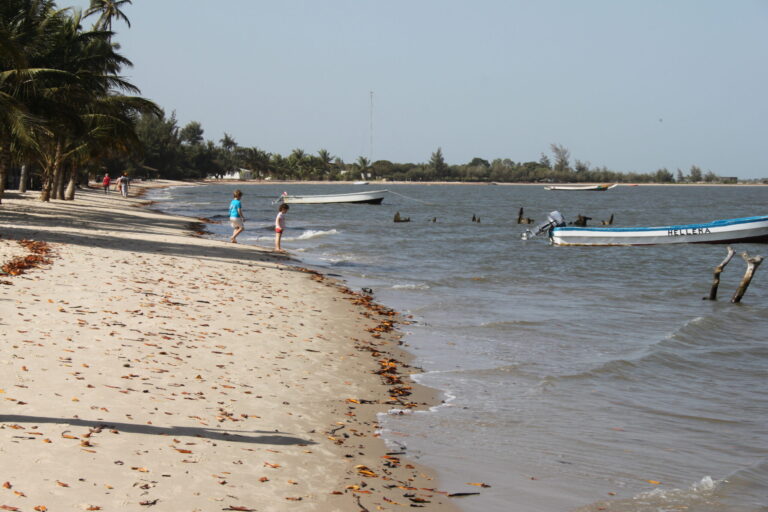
(752, 264)
(718, 270)
(581, 220)
(521, 219)
(398, 218)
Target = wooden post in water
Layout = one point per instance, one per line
(521, 219)
(752, 264)
(716, 277)
(398, 218)
(581, 220)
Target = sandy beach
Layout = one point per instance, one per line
(148, 368)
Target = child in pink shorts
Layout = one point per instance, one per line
(280, 226)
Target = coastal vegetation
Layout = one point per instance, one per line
(67, 115)
(181, 152)
(64, 106)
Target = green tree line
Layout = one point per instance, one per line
(67, 115)
(175, 152)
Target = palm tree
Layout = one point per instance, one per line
(110, 124)
(297, 161)
(107, 10)
(278, 165)
(84, 105)
(228, 158)
(192, 133)
(255, 159)
(325, 159)
(92, 64)
(25, 26)
(228, 142)
(61, 100)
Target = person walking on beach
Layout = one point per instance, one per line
(280, 226)
(236, 218)
(105, 183)
(123, 181)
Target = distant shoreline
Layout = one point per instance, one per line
(473, 183)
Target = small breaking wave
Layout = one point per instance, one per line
(411, 286)
(701, 495)
(313, 233)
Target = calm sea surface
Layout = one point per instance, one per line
(575, 378)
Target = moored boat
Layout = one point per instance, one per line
(745, 229)
(368, 197)
(573, 188)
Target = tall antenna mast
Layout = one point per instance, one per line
(370, 153)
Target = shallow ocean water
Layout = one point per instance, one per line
(575, 378)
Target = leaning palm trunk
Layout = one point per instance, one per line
(23, 178)
(63, 181)
(58, 182)
(5, 164)
(47, 184)
(50, 170)
(69, 194)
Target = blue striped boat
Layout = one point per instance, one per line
(727, 231)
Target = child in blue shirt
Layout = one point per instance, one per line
(236, 218)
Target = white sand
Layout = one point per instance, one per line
(145, 366)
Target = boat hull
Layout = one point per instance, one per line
(372, 197)
(743, 230)
(577, 188)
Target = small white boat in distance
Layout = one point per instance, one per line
(598, 188)
(742, 230)
(360, 183)
(369, 197)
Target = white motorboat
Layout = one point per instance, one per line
(368, 197)
(746, 229)
(598, 188)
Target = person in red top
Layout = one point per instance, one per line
(105, 183)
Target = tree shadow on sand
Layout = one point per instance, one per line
(233, 436)
(123, 231)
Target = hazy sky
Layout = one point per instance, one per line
(634, 86)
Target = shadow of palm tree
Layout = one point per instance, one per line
(234, 436)
(89, 226)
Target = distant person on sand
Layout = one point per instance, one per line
(280, 226)
(105, 183)
(236, 218)
(123, 181)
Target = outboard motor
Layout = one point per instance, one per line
(555, 219)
